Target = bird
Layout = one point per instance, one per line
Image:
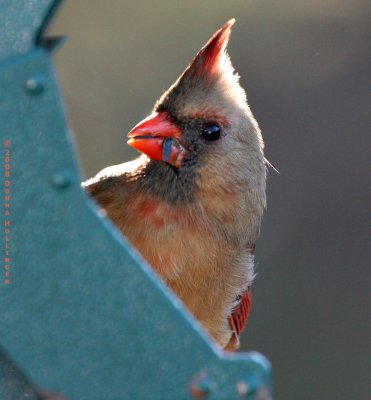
(192, 203)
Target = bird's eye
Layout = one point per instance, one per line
(211, 132)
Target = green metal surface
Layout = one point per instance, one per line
(83, 315)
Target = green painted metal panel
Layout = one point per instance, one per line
(22, 24)
(83, 314)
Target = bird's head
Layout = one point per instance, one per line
(202, 125)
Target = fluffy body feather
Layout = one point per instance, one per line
(196, 223)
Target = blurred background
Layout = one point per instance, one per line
(306, 67)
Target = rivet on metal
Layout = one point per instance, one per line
(61, 179)
(35, 84)
(242, 388)
(200, 386)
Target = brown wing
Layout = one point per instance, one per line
(238, 319)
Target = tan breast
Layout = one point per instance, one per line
(192, 255)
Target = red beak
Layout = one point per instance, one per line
(157, 137)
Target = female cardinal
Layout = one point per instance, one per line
(192, 203)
